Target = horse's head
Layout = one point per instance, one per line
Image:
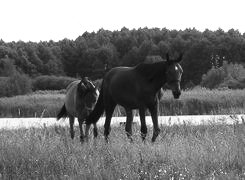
(89, 93)
(173, 74)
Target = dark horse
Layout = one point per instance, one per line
(80, 100)
(136, 88)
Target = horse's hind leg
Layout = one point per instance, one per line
(71, 121)
(108, 111)
(143, 124)
(129, 120)
(87, 131)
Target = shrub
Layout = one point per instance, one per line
(51, 82)
(228, 75)
(16, 84)
(213, 78)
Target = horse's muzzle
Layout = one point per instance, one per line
(176, 94)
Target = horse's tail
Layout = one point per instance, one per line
(98, 109)
(62, 113)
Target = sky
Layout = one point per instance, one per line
(44, 20)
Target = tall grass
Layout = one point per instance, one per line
(180, 152)
(201, 101)
(197, 101)
(33, 105)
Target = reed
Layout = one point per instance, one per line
(197, 101)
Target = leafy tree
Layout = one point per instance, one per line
(69, 56)
(164, 47)
(196, 62)
(145, 49)
(92, 54)
(123, 42)
(7, 68)
(131, 58)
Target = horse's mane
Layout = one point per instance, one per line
(71, 84)
(151, 70)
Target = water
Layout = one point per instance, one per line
(14, 123)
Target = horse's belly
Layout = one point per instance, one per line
(127, 102)
(70, 106)
(124, 86)
(71, 111)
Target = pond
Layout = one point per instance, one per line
(13, 123)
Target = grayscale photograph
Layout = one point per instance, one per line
(122, 89)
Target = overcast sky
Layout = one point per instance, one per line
(44, 20)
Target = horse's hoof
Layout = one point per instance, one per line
(86, 139)
(82, 140)
(153, 139)
(107, 140)
(95, 134)
(143, 137)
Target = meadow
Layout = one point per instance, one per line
(214, 151)
(180, 152)
(198, 101)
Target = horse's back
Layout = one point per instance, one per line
(120, 78)
(124, 85)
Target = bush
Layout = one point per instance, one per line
(16, 84)
(228, 75)
(213, 78)
(51, 82)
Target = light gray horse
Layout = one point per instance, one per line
(80, 99)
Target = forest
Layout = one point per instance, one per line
(92, 54)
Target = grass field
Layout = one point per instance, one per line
(180, 152)
(194, 102)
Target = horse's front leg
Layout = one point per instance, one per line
(129, 120)
(143, 123)
(71, 121)
(154, 115)
(80, 121)
(95, 131)
(87, 129)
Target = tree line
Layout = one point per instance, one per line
(92, 54)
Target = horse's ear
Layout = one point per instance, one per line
(167, 57)
(180, 57)
(88, 83)
(82, 80)
(85, 79)
(82, 86)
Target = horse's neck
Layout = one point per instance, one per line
(158, 78)
(80, 92)
(152, 71)
(158, 82)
